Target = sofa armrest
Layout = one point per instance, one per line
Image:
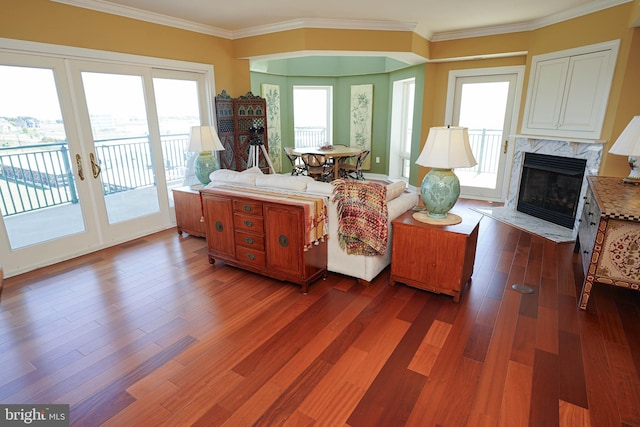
(401, 204)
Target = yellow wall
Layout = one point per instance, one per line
(51, 22)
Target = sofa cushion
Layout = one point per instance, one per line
(228, 176)
(395, 189)
(284, 182)
(321, 188)
(254, 170)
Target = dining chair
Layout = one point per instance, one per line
(317, 166)
(297, 167)
(351, 167)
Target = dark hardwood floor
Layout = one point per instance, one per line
(149, 333)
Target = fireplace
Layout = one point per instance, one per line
(568, 151)
(550, 187)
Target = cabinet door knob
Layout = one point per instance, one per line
(219, 226)
(252, 257)
(248, 223)
(247, 208)
(248, 240)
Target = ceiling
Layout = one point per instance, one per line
(432, 19)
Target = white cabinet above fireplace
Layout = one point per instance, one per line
(568, 91)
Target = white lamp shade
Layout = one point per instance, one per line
(204, 138)
(628, 143)
(447, 148)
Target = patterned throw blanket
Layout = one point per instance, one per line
(362, 216)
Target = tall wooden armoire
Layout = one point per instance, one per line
(238, 119)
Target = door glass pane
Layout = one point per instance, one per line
(122, 149)
(177, 106)
(482, 110)
(38, 196)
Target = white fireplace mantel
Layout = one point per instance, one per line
(590, 150)
(574, 143)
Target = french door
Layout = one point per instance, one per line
(486, 101)
(88, 153)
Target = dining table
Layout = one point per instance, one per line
(334, 153)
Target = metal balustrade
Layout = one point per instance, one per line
(486, 145)
(40, 176)
(307, 137)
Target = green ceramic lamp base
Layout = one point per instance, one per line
(204, 164)
(440, 190)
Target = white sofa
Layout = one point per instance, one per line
(364, 268)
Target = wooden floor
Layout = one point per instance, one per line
(149, 333)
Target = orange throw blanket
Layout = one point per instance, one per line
(362, 217)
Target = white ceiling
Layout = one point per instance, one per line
(433, 19)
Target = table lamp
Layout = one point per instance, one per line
(204, 140)
(628, 144)
(446, 148)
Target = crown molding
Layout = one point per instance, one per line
(344, 24)
(529, 25)
(336, 24)
(143, 15)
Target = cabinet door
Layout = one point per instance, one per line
(218, 212)
(283, 233)
(586, 92)
(547, 94)
(568, 91)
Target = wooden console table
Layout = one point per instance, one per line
(263, 235)
(436, 258)
(609, 235)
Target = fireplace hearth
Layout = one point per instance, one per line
(550, 187)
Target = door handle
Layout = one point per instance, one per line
(79, 165)
(506, 145)
(95, 168)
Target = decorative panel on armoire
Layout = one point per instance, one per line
(239, 120)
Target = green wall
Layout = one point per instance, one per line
(382, 86)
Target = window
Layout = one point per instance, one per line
(401, 128)
(312, 113)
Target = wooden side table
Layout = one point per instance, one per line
(436, 258)
(188, 207)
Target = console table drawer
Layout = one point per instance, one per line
(250, 256)
(250, 240)
(248, 222)
(247, 207)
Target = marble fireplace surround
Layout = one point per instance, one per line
(590, 150)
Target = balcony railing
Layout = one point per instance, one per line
(40, 176)
(307, 137)
(485, 144)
